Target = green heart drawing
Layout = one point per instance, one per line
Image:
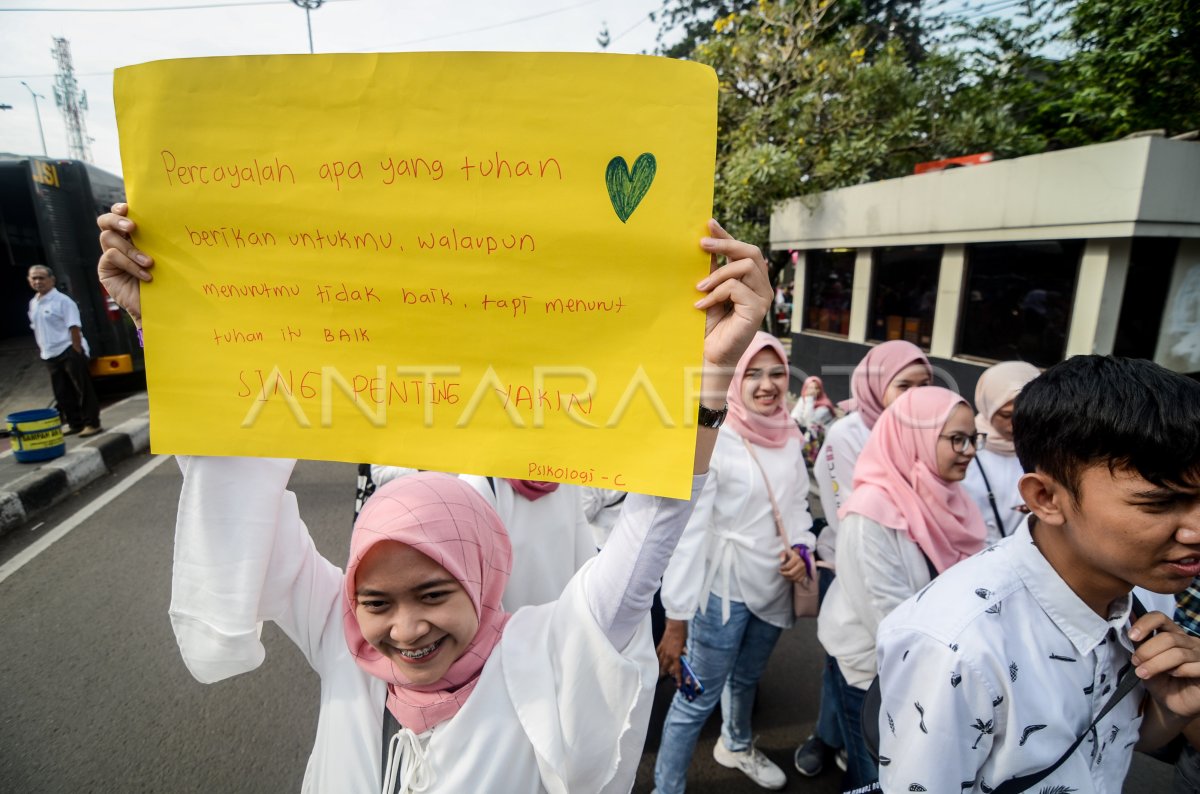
(626, 187)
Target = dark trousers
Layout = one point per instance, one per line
(861, 769)
(829, 718)
(72, 385)
(1187, 772)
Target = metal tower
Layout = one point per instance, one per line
(71, 102)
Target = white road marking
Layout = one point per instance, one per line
(46, 541)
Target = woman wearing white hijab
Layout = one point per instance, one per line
(992, 478)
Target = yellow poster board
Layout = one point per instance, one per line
(467, 262)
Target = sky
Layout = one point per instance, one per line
(107, 34)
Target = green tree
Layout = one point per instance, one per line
(1087, 71)
(805, 108)
(821, 94)
(689, 23)
(1136, 66)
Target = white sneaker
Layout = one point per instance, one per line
(752, 763)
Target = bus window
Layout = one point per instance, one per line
(1151, 262)
(828, 283)
(1017, 300)
(903, 293)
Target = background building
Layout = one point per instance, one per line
(1087, 250)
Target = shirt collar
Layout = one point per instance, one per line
(1083, 627)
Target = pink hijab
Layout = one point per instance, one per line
(997, 385)
(764, 431)
(875, 373)
(444, 518)
(532, 489)
(818, 401)
(896, 481)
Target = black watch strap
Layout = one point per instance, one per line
(707, 417)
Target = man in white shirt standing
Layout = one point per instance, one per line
(1001, 667)
(54, 319)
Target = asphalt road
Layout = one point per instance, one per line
(96, 699)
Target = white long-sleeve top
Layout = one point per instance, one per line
(1003, 472)
(579, 667)
(878, 568)
(551, 539)
(834, 473)
(807, 414)
(731, 547)
(601, 506)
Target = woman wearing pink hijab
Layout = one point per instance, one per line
(887, 371)
(728, 590)
(814, 408)
(427, 685)
(907, 520)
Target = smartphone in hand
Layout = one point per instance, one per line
(691, 687)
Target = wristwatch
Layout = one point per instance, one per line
(707, 417)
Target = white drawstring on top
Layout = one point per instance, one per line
(406, 757)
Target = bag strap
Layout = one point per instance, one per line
(991, 498)
(771, 494)
(1125, 684)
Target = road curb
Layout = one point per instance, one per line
(29, 495)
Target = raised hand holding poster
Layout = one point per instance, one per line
(468, 262)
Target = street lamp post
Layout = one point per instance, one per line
(37, 112)
(309, 6)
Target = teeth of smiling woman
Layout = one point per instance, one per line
(420, 652)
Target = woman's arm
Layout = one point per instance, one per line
(877, 569)
(796, 514)
(798, 522)
(243, 556)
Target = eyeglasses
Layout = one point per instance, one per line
(960, 441)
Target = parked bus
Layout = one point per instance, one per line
(1088, 250)
(48, 211)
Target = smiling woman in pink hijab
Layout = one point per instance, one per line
(887, 371)
(426, 683)
(728, 590)
(907, 520)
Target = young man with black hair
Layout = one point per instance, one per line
(995, 669)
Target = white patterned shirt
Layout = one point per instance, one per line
(993, 670)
